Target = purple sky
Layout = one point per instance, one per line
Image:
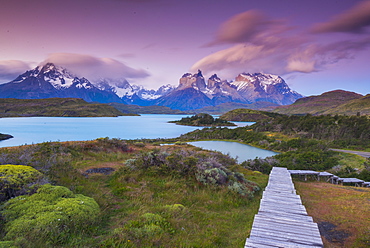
(316, 45)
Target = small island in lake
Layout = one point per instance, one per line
(202, 120)
(5, 136)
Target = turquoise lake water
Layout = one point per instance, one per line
(236, 150)
(31, 130)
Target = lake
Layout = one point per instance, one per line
(236, 150)
(32, 130)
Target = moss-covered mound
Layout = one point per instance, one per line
(17, 180)
(50, 215)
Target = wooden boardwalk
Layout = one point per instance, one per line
(282, 220)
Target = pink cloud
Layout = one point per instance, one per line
(354, 20)
(10, 69)
(94, 68)
(259, 45)
(251, 26)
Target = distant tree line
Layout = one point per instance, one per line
(340, 131)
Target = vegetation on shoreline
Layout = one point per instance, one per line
(348, 132)
(225, 107)
(57, 107)
(202, 120)
(304, 142)
(136, 109)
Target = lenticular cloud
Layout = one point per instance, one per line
(10, 69)
(94, 68)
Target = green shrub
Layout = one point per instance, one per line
(50, 215)
(17, 180)
(174, 208)
(7, 244)
(139, 144)
(210, 169)
(211, 176)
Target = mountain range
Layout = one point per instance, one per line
(50, 80)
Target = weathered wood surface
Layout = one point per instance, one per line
(350, 180)
(282, 220)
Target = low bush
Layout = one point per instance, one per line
(211, 169)
(144, 231)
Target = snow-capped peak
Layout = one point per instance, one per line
(57, 76)
(215, 78)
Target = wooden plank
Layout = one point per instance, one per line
(282, 220)
(288, 227)
(291, 211)
(281, 200)
(286, 236)
(290, 240)
(261, 243)
(257, 242)
(281, 215)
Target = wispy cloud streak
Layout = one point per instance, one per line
(355, 20)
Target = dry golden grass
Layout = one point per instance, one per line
(348, 208)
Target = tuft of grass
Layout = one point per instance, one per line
(347, 208)
(352, 160)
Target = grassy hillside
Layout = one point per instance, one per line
(66, 107)
(225, 107)
(353, 107)
(342, 212)
(326, 103)
(247, 115)
(136, 109)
